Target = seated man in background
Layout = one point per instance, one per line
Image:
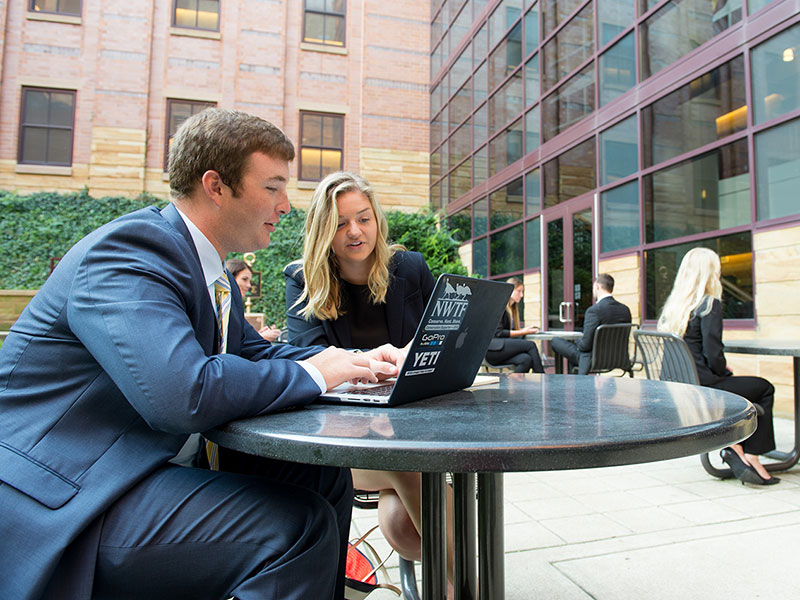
(604, 311)
(135, 343)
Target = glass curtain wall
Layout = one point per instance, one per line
(687, 134)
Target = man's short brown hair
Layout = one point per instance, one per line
(606, 281)
(221, 140)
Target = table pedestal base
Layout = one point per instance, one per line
(490, 579)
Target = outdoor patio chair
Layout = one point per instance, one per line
(489, 368)
(610, 349)
(666, 357)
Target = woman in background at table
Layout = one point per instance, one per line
(353, 290)
(693, 310)
(504, 347)
(243, 275)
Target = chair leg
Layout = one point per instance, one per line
(408, 579)
(714, 471)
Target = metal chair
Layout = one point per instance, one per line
(610, 349)
(666, 357)
(408, 577)
(489, 368)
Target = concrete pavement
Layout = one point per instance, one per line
(658, 531)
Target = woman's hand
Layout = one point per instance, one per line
(525, 330)
(270, 333)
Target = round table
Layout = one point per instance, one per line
(521, 423)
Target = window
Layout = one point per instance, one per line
(736, 255)
(619, 215)
(679, 27)
(706, 109)
(778, 170)
(705, 193)
(61, 7)
(321, 145)
(570, 103)
(619, 151)
(506, 205)
(507, 250)
(617, 70)
(324, 22)
(570, 174)
(177, 112)
(775, 71)
(46, 127)
(196, 14)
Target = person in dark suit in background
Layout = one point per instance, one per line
(125, 353)
(693, 310)
(605, 311)
(353, 290)
(505, 346)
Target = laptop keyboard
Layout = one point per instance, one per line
(379, 390)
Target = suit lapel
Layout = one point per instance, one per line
(395, 305)
(206, 328)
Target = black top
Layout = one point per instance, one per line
(410, 286)
(367, 320)
(704, 338)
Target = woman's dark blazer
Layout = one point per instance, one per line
(410, 286)
(704, 338)
(502, 333)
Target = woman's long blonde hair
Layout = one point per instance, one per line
(512, 308)
(320, 266)
(696, 285)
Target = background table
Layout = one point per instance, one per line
(786, 460)
(546, 336)
(522, 423)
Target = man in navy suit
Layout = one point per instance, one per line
(604, 311)
(118, 362)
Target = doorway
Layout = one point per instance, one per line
(568, 264)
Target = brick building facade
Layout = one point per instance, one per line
(87, 88)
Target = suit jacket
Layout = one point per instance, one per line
(502, 333)
(604, 312)
(410, 287)
(704, 338)
(102, 379)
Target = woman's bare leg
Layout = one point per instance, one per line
(400, 510)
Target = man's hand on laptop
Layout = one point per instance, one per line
(338, 366)
(382, 355)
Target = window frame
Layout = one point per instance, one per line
(32, 8)
(325, 13)
(167, 136)
(303, 113)
(174, 19)
(22, 125)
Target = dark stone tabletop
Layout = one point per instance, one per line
(521, 423)
(763, 346)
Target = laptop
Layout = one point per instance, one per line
(451, 341)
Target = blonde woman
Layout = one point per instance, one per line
(505, 347)
(353, 290)
(693, 310)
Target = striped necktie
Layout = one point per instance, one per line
(222, 291)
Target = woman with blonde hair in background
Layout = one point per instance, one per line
(693, 311)
(506, 347)
(353, 290)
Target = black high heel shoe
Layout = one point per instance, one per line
(771, 481)
(741, 470)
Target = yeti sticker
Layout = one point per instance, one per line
(424, 362)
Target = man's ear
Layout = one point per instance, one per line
(213, 186)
